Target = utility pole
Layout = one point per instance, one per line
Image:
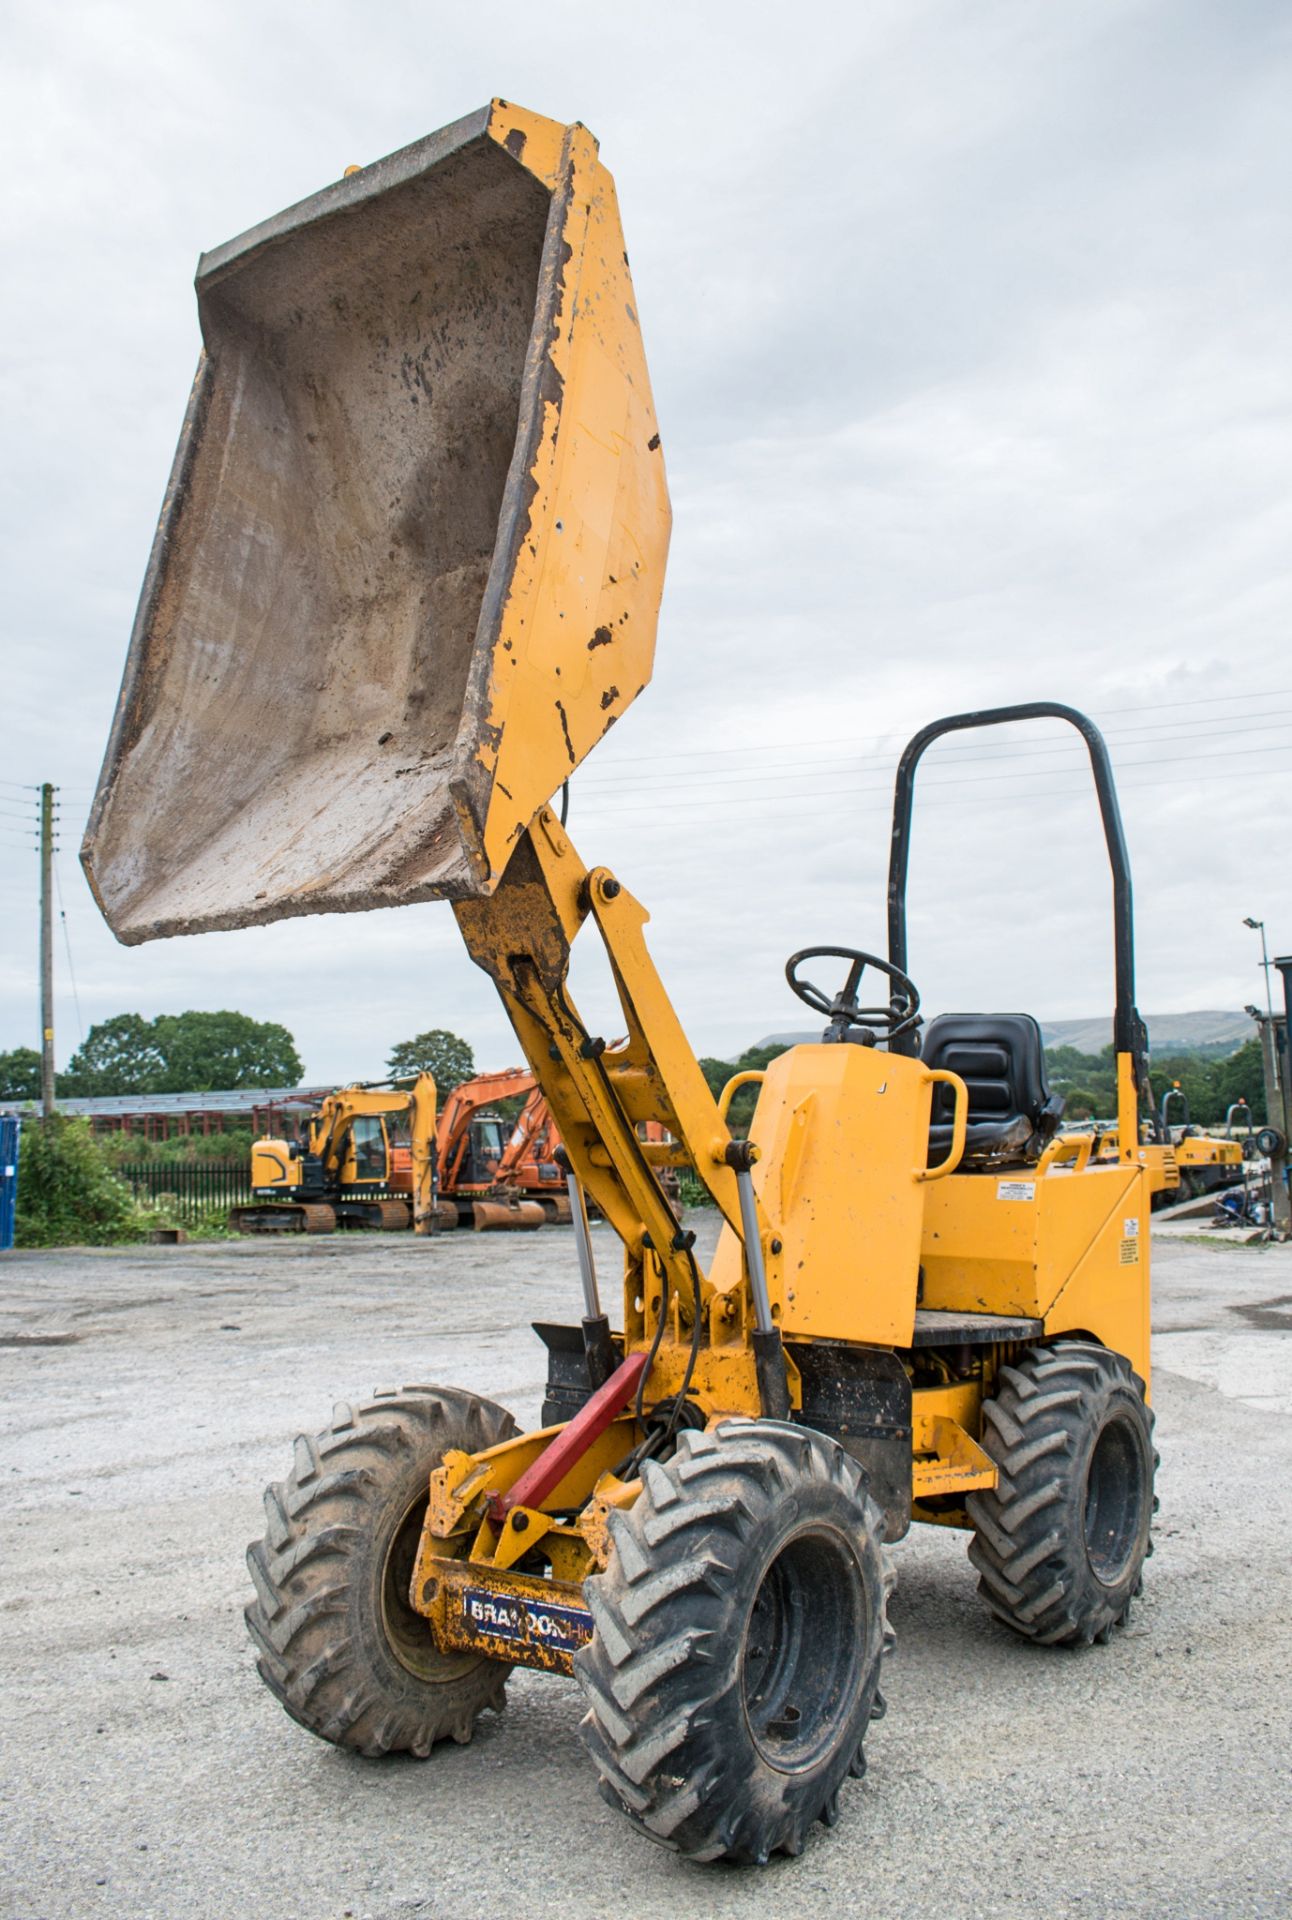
(1272, 1029)
(47, 949)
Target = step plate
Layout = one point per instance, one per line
(936, 1328)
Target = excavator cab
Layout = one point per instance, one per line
(480, 1150)
(367, 1157)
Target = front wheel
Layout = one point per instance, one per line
(339, 1645)
(738, 1630)
(1060, 1542)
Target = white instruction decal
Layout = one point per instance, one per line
(1130, 1228)
(1016, 1189)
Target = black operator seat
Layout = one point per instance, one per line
(1000, 1058)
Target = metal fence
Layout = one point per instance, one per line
(190, 1189)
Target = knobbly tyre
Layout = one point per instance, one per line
(415, 536)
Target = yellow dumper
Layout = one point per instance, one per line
(407, 575)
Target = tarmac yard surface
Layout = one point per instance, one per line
(145, 1774)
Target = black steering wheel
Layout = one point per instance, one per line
(901, 1015)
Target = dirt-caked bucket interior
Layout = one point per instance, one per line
(380, 551)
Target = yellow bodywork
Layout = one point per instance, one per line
(842, 1134)
(859, 1235)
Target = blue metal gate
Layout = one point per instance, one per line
(9, 1128)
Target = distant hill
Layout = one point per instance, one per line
(1167, 1032)
(1217, 1032)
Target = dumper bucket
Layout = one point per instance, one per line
(409, 564)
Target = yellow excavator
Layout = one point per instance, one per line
(411, 559)
(368, 1159)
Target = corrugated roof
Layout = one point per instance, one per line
(235, 1100)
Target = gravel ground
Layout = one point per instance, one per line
(146, 1775)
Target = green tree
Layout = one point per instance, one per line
(436, 1051)
(203, 1052)
(1212, 1086)
(20, 1074)
(1241, 1077)
(120, 1055)
(1081, 1104)
(718, 1072)
(181, 1053)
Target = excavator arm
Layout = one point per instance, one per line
(530, 1135)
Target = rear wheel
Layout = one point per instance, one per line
(339, 1644)
(1060, 1543)
(734, 1666)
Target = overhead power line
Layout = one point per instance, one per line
(1259, 696)
(67, 947)
(1072, 750)
(754, 785)
(881, 804)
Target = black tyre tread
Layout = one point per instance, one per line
(648, 1673)
(1022, 1547)
(303, 1569)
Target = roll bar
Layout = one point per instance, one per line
(1129, 1033)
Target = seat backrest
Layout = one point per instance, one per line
(1001, 1060)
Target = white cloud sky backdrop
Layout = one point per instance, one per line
(969, 331)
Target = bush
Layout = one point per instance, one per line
(68, 1195)
(691, 1189)
(132, 1150)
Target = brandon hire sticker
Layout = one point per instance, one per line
(505, 1616)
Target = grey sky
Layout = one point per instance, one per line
(969, 328)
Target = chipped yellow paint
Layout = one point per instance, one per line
(946, 1459)
(576, 640)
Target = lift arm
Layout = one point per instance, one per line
(521, 936)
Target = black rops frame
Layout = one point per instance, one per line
(1129, 1032)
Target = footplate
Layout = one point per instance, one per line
(520, 1617)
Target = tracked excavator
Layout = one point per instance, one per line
(529, 1166)
(411, 557)
(534, 1166)
(473, 1145)
(368, 1159)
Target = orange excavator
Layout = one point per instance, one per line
(533, 1168)
(472, 1145)
(529, 1169)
